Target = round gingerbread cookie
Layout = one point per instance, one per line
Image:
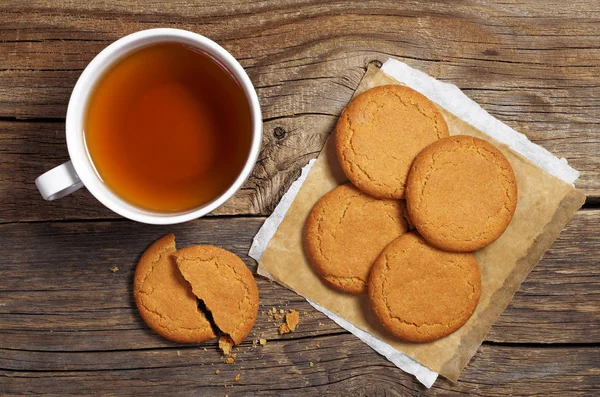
(420, 293)
(346, 231)
(164, 299)
(461, 193)
(224, 284)
(380, 133)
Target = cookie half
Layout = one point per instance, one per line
(421, 293)
(461, 193)
(223, 282)
(164, 299)
(346, 231)
(380, 133)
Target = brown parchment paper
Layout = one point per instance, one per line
(545, 206)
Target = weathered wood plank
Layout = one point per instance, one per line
(69, 325)
(29, 149)
(338, 366)
(538, 70)
(58, 293)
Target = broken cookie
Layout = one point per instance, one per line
(164, 299)
(193, 294)
(292, 318)
(222, 281)
(291, 322)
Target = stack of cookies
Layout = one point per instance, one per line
(418, 204)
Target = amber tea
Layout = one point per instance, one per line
(168, 129)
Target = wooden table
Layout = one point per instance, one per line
(68, 324)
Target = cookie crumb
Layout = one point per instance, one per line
(281, 311)
(226, 344)
(237, 378)
(311, 364)
(292, 318)
(254, 343)
(321, 324)
(318, 345)
(262, 341)
(114, 269)
(305, 313)
(178, 353)
(276, 316)
(262, 335)
(217, 372)
(284, 329)
(229, 360)
(204, 348)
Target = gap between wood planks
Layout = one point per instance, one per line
(33, 120)
(591, 203)
(248, 343)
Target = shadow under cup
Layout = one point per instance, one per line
(168, 128)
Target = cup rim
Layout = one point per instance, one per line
(77, 108)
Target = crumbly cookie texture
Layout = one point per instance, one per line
(346, 231)
(461, 193)
(420, 293)
(164, 299)
(226, 344)
(223, 282)
(380, 133)
(292, 318)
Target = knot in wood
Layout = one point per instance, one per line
(279, 132)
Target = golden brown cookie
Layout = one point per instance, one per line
(380, 133)
(223, 282)
(461, 193)
(164, 299)
(421, 293)
(346, 231)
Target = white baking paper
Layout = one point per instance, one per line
(454, 100)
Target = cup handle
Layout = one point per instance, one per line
(58, 182)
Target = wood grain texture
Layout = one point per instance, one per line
(68, 323)
(283, 368)
(28, 149)
(535, 68)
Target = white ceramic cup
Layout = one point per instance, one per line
(79, 172)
